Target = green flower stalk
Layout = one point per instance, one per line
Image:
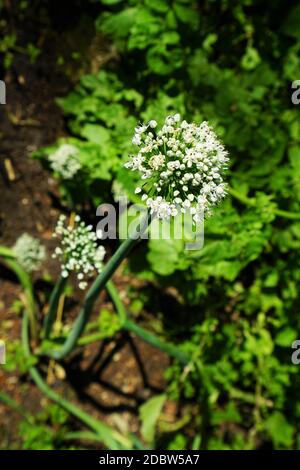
(53, 304)
(95, 290)
(25, 257)
(78, 252)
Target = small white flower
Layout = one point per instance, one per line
(152, 124)
(82, 285)
(30, 253)
(136, 140)
(156, 161)
(140, 129)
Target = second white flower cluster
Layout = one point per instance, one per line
(79, 251)
(65, 161)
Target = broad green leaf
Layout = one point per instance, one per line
(96, 134)
(280, 430)
(149, 414)
(286, 337)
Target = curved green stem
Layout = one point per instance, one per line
(53, 303)
(251, 202)
(241, 197)
(111, 438)
(153, 340)
(287, 214)
(90, 298)
(148, 337)
(26, 282)
(82, 436)
(11, 403)
(88, 339)
(118, 304)
(7, 252)
(136, 444)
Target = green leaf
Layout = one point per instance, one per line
(119, 24)
(149, 413)
(186, 14)
(280, 430)
(286, 337)
(96, 134)
(291, 24)
(250, 59)
(166, 256)
(161, 61)
(158, 5)
(171, 37)
(294, 157)
(111, 2)
(229, 415)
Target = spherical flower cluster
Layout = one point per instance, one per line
(78, 251)
(29, 252)
(65, 161)
(181, 167)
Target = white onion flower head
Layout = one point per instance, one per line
(65, 161)
(181, 167)
(78, 251)
(30, 253)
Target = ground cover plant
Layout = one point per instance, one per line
(222, 318)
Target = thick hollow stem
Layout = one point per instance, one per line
(94, 291)
(26, 282)
(91, 296)
(11, 403)
(53, 303)
(118, 304)
(153, 340)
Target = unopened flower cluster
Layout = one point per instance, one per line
(30, 253)
(65, 161)
(78, 251)
(181, 167)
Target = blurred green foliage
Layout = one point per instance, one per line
(9, 44)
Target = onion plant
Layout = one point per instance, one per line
(181, 168)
